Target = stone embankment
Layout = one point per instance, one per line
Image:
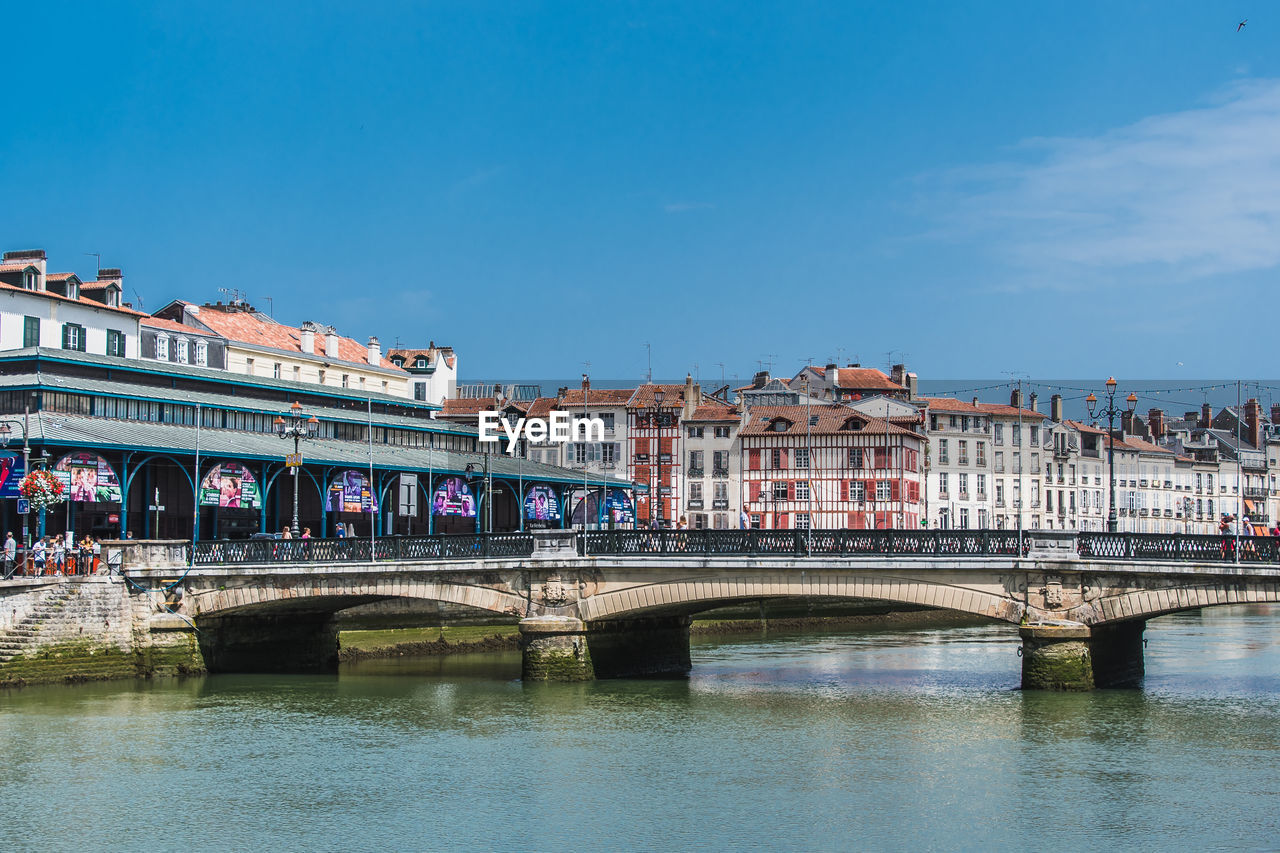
(67, 629)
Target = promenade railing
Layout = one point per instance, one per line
(466, 546)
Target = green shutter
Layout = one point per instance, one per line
(66, 335)
(31, 332)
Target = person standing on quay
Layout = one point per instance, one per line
(37, 556)
(10, 555)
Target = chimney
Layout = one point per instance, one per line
(35, 257)
(1155, 420)
(830, 367)
(1126, 423)
(761, 379)
(110, 274)
(898, 374)
(1192, 417)
(1055, 408)
(1035, 401)
(692, 394)
(913, 386)
(586, 385)
(1015, 398)
(331, 342)
(1253, 422)
(1206, 416)
(975, 402)
(375, 352)
(308, 337)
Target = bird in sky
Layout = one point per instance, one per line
(1240, 26)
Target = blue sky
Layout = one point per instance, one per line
(1054, 188)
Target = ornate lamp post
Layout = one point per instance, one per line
(1111, 411)
(6, 432)
(297, 428)
(656, 513)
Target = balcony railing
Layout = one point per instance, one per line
(720, 472)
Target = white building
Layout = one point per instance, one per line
(57, 311)
(712, 494)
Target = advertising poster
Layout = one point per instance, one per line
(230, 485)
(350, 492)
(88, 478)
(618, 505)
(540, 504)
(11, 473)
(453, 497)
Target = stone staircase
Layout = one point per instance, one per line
(68, 630)
(23, 637)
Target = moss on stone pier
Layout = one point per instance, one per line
(69, 662)
(1061, 666)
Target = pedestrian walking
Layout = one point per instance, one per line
(38, 553)
(10, 555)
(59, 556)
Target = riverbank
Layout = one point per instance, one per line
(358, 645)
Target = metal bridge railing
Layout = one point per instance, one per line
(1150, 547)
(467, 546)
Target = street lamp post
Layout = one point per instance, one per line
(297, 428)
(5, 432)
(1111, 411)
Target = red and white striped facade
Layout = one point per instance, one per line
(861, 472)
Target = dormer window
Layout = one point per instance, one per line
(780, 425)
(30, 280)
(421, 362)
(398, 362)
(162, 347)
(184, 350)
(852, 424)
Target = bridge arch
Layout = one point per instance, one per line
(691, 595)
(322, 594)
(1149, 603)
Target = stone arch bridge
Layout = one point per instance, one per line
(620, 603)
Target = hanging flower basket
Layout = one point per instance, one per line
(42, 489)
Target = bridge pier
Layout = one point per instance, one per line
(284, 642)
(554, 648)
(657, 647)
(562, 648)
(1077, 657)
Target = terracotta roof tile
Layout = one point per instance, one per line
(468, 405)
(949, 404)
(88, 303)
(831, 420)
(19, 267)
(251, 328)
(171, 326)
(542, 407)
(715, 412)
(643, 397)
(864, 378)
(1009, 411)
(598, 396)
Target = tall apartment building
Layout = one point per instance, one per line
(713, 470)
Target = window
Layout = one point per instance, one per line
(964, 485)
(722, 432)
(720, 463)
(998, 435)
(951, 421)
(695, 432)
(963, 447)
(982, 486)
(776, 459)
(115, 343)
(321, 379)
(73, 337)
(202, 353)
(31, 331)
(802, 490)
(1035, 437)
(943, 455)
(944, 480)
(1017, 435)
(802, 457)
(855, 457)
(883, 490)
(184, 351)
(275, 370)
(802, 521)
(980, 449)
(722, 493)
(419, 390)
(999, 458)
(579, 452)
(999, 492)
(964, 518)
(695, 462)
(755, 521)
(695, 492)
(857, 490)
(346, 380)
(780, 490)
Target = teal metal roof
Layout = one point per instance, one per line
(238, 402)
(190, 371)
(107, 434)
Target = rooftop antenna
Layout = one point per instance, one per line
(138, 296)
(771, 357)
(649, 375)
(721, 363)
(232, 294)
(97, 264)
(839, 355)
(697, 375)
(271, 307)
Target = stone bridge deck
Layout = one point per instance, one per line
(567, 586)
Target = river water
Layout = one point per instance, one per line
(900, 739)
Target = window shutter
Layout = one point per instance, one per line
(782, 521)
(82, 339)
(754, 460)
(870, 489)
(66, 335)
(894, 491)
(755, 491)
(782, 458)
(791, 490)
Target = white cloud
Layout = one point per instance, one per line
(1182, 195)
